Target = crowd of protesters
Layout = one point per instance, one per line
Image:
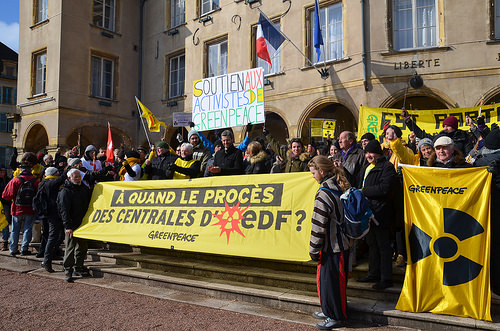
(61, 185)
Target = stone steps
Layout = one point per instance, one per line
(259, 282)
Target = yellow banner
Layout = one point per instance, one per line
(263, 216)
(3, 219)
(372, 119)
(447, 223)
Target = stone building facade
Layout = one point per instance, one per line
(95, 55)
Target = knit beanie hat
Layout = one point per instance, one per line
(492, 140)
(368, 136)
(451, 121)
(162, 144)
(73, 161)
(193, 132)
(50, 171)
(132, 154)
(373, 147)
(425, 141)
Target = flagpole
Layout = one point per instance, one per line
(323, 72)
(142, 121)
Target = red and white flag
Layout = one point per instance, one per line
(110, 157)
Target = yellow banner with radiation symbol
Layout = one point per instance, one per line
(261, 216)
(372, 119)
(447, 223)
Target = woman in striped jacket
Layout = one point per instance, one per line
(328, 245)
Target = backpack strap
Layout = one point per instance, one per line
(337, 214)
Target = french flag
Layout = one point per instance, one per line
(269, 39)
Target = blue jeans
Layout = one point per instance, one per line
(5, 231)
(17, 220)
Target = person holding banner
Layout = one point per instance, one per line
(186, 167)
(328, 245)
(131, 169)
(490, 157)
(446, 155)
(160, 167)
(379, 183)
(228, 160)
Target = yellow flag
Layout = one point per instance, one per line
(3, 219)
(447, 225)
(153, 123)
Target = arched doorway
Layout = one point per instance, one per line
(98, 136)
(419, 102)
(275, 125)
(343, 117)
(37, 139)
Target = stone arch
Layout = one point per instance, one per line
(96, 134)
(423, 98)
(36, 137)
(491, 96)
(328, 107)
(275, 123)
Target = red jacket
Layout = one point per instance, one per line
(10, 193)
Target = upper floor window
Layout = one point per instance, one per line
(176, 76)
(104, 14)
(496, 19)
(217, 59)
(208, 6)
(5, 124)
(177, 12)
(102, 77)
(41, 10)
(275, 58)
(10, 71)
(330, 18)
(7, 95)
(39, 75)
(415, 24)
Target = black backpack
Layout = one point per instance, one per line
(25, 193)
(40, 201)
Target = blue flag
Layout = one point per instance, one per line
(318, 38)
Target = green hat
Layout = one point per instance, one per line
(162, 144)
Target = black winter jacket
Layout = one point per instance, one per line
(379, 189)
(50, 189)
(230, 162)
(257, 164)
(161, 166)
(72, 203)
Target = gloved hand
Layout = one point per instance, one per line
(191, 124)
(265, 131)
(249, 127)
(179, 138)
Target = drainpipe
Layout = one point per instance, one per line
(363, 41)
(139, 81)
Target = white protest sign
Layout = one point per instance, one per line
(229, 100)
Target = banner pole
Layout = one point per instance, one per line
(142, 121)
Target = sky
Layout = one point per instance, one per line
(9, 23)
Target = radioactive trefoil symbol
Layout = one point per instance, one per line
(463, 226)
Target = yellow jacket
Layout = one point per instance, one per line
(402, 154)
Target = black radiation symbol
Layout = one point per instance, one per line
(463, 226)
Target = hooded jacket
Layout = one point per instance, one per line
(257, 164)
(297, 164)
(72, 203)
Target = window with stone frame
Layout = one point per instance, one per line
(102, 77)
(104, 13)
(414, 24)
